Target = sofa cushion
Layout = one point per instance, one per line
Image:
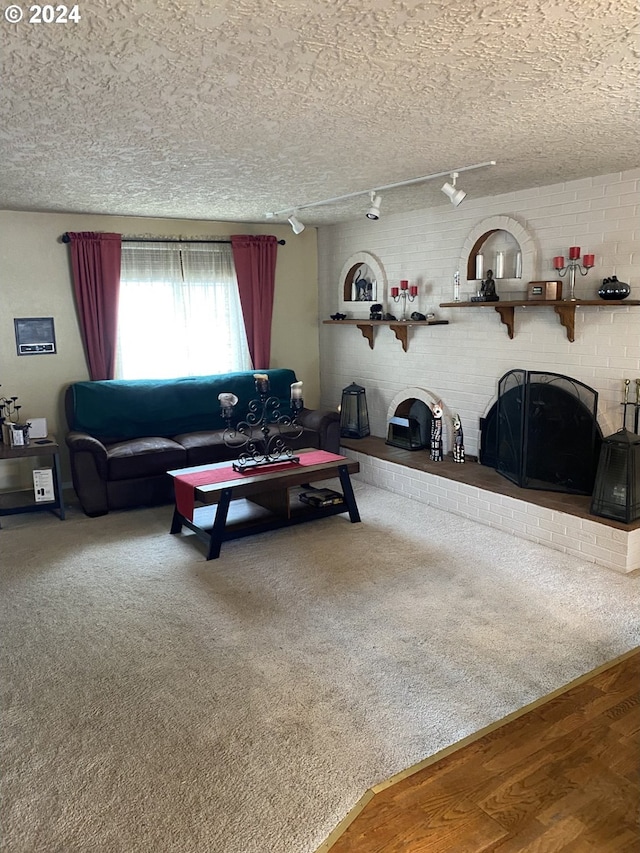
(144, 457)
(118, 409)
(205, 448)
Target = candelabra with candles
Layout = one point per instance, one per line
(406, 294)
(9, 409)
(573, 265)
(262, 436)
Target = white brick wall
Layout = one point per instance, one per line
(461, 363)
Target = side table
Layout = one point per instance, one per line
(23, 501)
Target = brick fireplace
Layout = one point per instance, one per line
(463, 360)
(557, 520)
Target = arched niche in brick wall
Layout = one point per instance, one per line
(403, 399)
(363, 281)
(516, 239)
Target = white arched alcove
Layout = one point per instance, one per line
(346, 282)
(429, 399)
(525, 240)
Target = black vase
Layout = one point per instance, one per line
(611, 288)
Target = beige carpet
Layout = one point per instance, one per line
(156, 702)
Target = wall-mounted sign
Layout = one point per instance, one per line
(35, 335)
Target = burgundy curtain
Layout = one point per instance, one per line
(255, 263)
(95, 262)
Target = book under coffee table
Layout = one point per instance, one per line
(219, 504)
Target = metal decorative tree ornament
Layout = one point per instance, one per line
(261, 438)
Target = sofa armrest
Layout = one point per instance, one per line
(326, 423)
(78, 442)
(88, 457)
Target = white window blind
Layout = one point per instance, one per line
(179, 311)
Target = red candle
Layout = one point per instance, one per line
(394, 291)
(413, 290)
(558, 262)
(589, 261)
(574, 253)
(404, 285)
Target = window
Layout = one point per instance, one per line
(179, 311)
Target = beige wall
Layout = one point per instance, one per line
(35, 282)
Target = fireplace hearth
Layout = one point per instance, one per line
(542, 432)
(554, 519)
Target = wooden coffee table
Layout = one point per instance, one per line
(249, 503)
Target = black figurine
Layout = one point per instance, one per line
(458, 439)
(488, 289)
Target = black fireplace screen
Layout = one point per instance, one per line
(542, 432)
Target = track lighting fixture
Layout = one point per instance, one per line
(374, 210)
(455, 196)
(449, 189)
(296, 226)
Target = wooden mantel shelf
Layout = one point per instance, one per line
(399, 327)
(565, 309)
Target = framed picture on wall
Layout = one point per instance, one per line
(35, 335)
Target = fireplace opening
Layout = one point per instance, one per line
(410, 426)
(542, 432)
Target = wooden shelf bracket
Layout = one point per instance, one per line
(507, 315)
(400, 331)
(565, 309)
(367, 332)
(567, 315)
(400, 328)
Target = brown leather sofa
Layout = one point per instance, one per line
(125, 435)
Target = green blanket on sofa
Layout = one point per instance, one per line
(120, 409)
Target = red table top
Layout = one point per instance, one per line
(185, 484)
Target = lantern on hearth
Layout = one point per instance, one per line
(616, 493)
(354, 416)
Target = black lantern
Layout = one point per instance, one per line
(354, 417)
(616, 493)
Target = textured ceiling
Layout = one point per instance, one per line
(227, 109)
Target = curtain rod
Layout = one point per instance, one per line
(66, 239)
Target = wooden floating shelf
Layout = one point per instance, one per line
(565, 309)
(399, 327)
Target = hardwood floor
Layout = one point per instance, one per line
(562, 777)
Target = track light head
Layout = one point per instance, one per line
(296, 226)
(455, 196)
(374, 210)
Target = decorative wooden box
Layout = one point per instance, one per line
(551, 290)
